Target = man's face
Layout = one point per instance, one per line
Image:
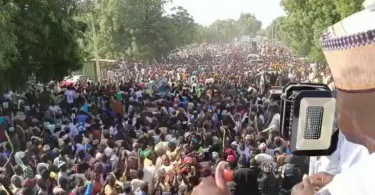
(165, 160)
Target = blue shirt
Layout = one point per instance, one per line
(140, 192)
(85, 108)
(183, 105)
(82, 118)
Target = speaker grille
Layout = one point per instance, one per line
(313, 122)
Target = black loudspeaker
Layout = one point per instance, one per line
(308, 119)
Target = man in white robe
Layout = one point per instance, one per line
(355, 104)
(346, 155)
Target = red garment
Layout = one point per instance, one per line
(97, 187)
(96, 134)
(242, 112)
(231, 152)
(2, 134)
(231, 158)
(117, 107)
(228, 175)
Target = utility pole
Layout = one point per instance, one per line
(229, 36)
(98, 71)
(276, 26)
(276, 31)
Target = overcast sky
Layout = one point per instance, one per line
(205, 12)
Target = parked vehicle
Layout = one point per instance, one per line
(72, 80)
(255, 58)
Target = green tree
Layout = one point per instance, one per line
(307, 19)
(140, 30)
(136, 29)
(248, 24)
(183, 26)
(8, 40)
(223, 31)
(42, 41)
(348, 7)
(273, 31)
(201, 34)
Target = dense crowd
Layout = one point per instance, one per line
(158, 130)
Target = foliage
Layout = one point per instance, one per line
(307, 19)
(183, 26)
(348, 7)
(248, 24)
(39, 40)
(273, 31)
(8, 49)
(140, 30)
(220, 31)
(135, 29)
(227, 30)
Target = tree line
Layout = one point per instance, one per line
(306, 20)
(48, 39)
(224, 31)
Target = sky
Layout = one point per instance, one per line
(205, 12)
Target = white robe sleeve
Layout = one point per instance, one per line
(333, 166)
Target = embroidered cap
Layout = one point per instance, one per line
(349, 47)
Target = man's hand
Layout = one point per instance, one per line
(303, 188)
(215, 186)
(321, 179)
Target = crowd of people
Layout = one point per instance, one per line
(159, 130)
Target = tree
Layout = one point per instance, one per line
(8, 40)
(348, 7)
(137, 29)
(248, 24)
(273, 31)
(223, 31)
(306, 20)
(183, 26)
(113, 37)
(42, 41)
(152, 31)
